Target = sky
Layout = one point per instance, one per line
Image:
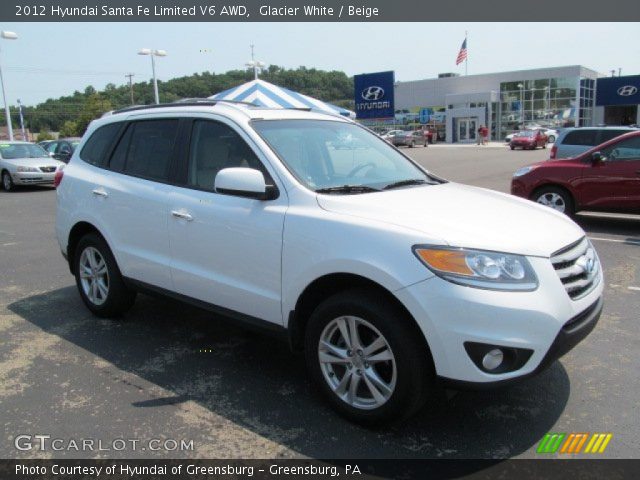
(49, 60)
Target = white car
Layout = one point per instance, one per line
(24, 163)
(392, 280)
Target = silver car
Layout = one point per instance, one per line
(23, 163)
(574, 141)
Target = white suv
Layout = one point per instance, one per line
(391, 279)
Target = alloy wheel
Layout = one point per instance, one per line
(357, 362)
(94, 275)
(553, 200)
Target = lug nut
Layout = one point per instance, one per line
(349, 353)
(366, 364)
(360, 352)
(359, 372)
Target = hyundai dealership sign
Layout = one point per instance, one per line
(374, 95)
(618, 90)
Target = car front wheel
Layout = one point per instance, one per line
(555, 198)
(99, 280)
(367, 359)
(7, 181)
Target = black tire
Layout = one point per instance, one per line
(119, 298)
(7, 182)
(512, 147)
(544, 145)
(415, 374)
(569, 205)
(413, 144)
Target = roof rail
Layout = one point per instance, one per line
(186, 102)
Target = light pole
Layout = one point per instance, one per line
(153, 54)
(7, 36)
(521, 87)
(24, 136)
(255, 64)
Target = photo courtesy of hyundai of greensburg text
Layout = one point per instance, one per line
(271, 239)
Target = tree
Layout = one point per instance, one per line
(44, 135)
(94, 107)
(68, 129)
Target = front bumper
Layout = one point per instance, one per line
(545, 321)
(33, 178)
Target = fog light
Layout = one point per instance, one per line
(493, 359)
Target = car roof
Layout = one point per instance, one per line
(237, 110)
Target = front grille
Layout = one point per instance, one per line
(577, 266)
(48, 169)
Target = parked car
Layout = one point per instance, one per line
(390, 134)
(551, 134)
(63, 148)
(24, 163)
(410, 139)
(605, 178)
(391, 280)
(574, 141)
(529, 139)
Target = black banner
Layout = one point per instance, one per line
(315, 11)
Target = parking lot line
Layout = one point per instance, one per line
(628, 241)
(635, 289)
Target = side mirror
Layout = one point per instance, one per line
(596, 157)
(244, 182)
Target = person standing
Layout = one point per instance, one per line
(479, 135)
(485, 135)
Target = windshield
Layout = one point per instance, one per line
(527, 133)
(331, 155)
(21, 150)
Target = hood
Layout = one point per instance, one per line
(464, 216)
(34, 162)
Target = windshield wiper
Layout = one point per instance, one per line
(404, 183)
(348, 189)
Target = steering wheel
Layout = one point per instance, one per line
(360, 167)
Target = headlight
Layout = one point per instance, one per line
(479, 268)
(27, 169)
(522, 171)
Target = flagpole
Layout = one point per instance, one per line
(466, 60)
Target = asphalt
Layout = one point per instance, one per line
(170, 371)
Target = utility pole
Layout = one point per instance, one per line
(24, 136)
(130, 76)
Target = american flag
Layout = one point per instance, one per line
(462, 55)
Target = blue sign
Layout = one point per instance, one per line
(373, 94)
(425, 115)
(618, 90)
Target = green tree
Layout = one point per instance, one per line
(44, 135)
(68, 129)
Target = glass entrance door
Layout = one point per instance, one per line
(467, 129)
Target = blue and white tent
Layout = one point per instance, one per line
(265, 94)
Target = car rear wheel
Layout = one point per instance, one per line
(512, 147)
(555, 198)
(551, 139)
(7, 181)
(367, 359)
(99, 280)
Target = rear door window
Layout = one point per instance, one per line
(606, 135)
(581, 137)
(147, 148)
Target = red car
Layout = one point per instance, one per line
(605, 178)
(529, 139)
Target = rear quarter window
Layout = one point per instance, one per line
(581, 137)
(97, 148)
(607, 135)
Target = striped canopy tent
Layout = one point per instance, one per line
(265, 94)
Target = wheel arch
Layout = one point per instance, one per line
(325, 286)
(79, 230)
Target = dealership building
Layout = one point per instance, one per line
(551, 97)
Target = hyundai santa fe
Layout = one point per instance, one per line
(392, 280)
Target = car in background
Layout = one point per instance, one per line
(63, 148)
(551, 134)
(410, 139)
(390, 134)
(604, 178)
(528, 139)
(24, 163)
(575, 141)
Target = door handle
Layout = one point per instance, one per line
(181, 214)
(100, 192)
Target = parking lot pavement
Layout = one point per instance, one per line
(169, 371)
